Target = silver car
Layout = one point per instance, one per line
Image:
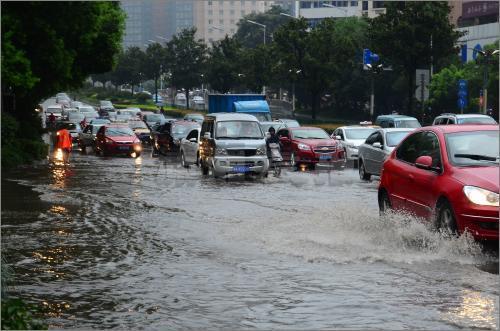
(232, 143)
(190, 147)
(351, 137)
(377, 147)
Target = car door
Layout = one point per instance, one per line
(372, 156)
(85, 136)
(286, 143)
(191, 148)
(420, 196)
(401, 173)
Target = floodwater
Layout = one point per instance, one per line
(112, 242)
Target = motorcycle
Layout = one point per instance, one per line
(275, 159)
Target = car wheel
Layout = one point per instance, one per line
(363, 175)
(198, 159)
(183, 160)
(293, 163)
(446, 218)
(384, 203)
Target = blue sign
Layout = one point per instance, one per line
(463, 53)
(367, 56)
(476, 50)
(462, 93)
(375, 57)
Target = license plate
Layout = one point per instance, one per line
(123, 148)
(241, 169)
(325, 157)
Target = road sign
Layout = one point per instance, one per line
(422, 78)
(463, 53)
(462, 94)
(476, 50)
(367, 58)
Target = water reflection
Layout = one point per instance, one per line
(60, 175)
(476, 310)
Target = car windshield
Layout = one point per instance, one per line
(407, 124)
(106, 104)
(76, 116)
(472, 148)
(54, 110)
(238, 130)
(86, 109)
(119, 131)
(477, 120)
(292, 124)
(100, 121)
(394, 138)
(154, 118)
(310, 134)
(262, 117)
(137, 125)
(179, 131)
(194, 117)
(358, 133)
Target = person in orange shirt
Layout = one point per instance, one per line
(65, 143)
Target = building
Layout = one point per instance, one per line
(478, 12)
(138, 22)
(216, 19)
(314, 10)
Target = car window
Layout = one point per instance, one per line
(394, 138)
(420, 144)
(407, 124)
(371, 138)
(207, 126)
(283, 133)
(192, 134)
(101, 131)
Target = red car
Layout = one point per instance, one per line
(117, 139)
(310, 145)
(446, 174)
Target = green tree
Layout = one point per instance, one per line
(186, 58)
(402, 36)
(130, 68)
(224, 64)
(251, 35)
(155, 59)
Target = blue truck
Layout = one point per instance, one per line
(253, 104)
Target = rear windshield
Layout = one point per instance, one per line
(358, 133)
(407, 124)
(477, 120)
(394, 138)
(310, 134)
(54, 110)
(137, 125)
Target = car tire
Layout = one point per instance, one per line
(363, 175)
(445, 218)
(293, 163)
(384, 203)
(198, 159)
(183, 160)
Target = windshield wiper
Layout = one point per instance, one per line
(225, 137)
(478, 157)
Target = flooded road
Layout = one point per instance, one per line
(145, 244)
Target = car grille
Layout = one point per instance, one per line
(241, 152)
(242, 163)
(325, 149)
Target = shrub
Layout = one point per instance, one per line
(142, 97)
(17, 315)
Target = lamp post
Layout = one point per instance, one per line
(374, 69)
(295, 73)
(487, 56)
(262, 26)
(288, 15)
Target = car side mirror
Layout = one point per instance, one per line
(193, 140)
(207, 135)
(338, 137)
(424, 162)
(377, 145)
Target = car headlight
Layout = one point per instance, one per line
(304, 147)
(261, 151)
(352, 147)
(137, 147)
(480, 196)
(221, 151)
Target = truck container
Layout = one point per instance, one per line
(253, 104)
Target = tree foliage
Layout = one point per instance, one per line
(186, 59)
(402, 36)
(224, 64)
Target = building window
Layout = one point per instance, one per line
(210, 21)
(354, 3)
(378, 4)
(210, 3)
(221, 21)
(365, 5)
(305, 4)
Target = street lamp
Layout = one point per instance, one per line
(374, 69)
(487, 55)
(262, 26)
(288, 15)
(295, 73)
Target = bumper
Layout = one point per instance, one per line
(144, 137)
(314, 158)
(123, 149)
(351, 154)
(233, 164)
(480, 221)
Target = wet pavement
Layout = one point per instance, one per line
(114, 242)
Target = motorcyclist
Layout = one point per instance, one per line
(272, 138)
(52, 120)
